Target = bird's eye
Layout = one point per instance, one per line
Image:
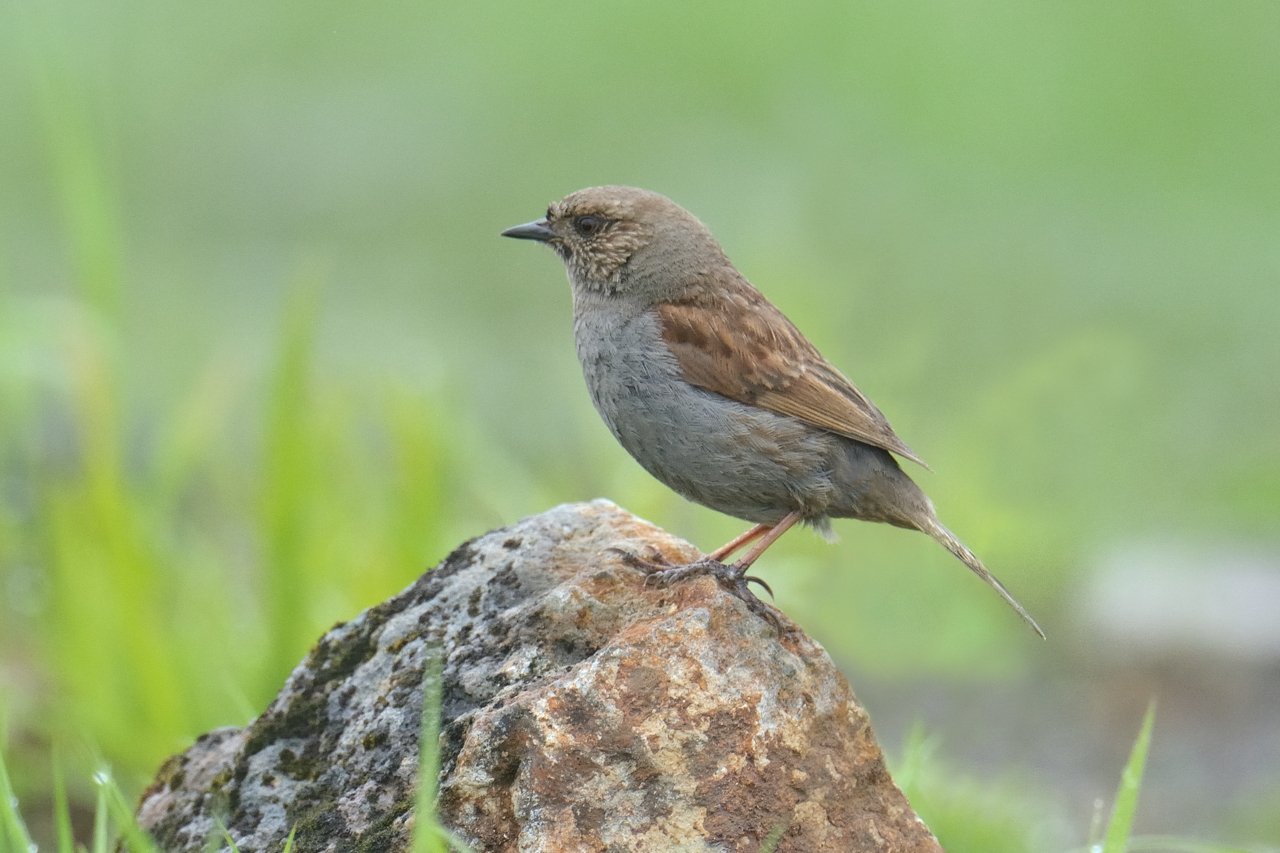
(588, 225)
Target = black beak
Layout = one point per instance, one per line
(539, 230)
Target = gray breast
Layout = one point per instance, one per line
(738, 459)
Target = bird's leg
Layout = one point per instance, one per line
(769, 538)
(741, 542)
(733, 578)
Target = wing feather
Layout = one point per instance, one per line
(747, 350)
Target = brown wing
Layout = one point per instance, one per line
(747, 350)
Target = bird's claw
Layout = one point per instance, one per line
(656, 562)
(733, 579)
(743, 591)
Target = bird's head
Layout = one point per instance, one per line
(616, 240)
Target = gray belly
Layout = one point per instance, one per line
(738, 459)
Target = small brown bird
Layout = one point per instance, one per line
(716, 393)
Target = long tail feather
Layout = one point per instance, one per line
(949, 541)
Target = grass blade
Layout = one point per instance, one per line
(425, 837)
(61, 811)
(771, 840)
(13, 832)
(231, 842)
(101, 827)
(428, 835)
(135, 837)
(1117, 839)
(918, 750)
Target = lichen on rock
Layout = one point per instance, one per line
(582, 710)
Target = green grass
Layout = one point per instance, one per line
(149, 581)
(1121, 823)
(429, 835)
(969, 817)
(13, 832)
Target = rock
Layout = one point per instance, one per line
(582, 711)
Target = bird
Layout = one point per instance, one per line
(714, 392)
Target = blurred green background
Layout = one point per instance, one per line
(263, 357)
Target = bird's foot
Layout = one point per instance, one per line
(733, 578)
(656, 562)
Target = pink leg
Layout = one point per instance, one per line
(769, 538)
(745, 539)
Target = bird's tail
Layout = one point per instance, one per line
(949, 541)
